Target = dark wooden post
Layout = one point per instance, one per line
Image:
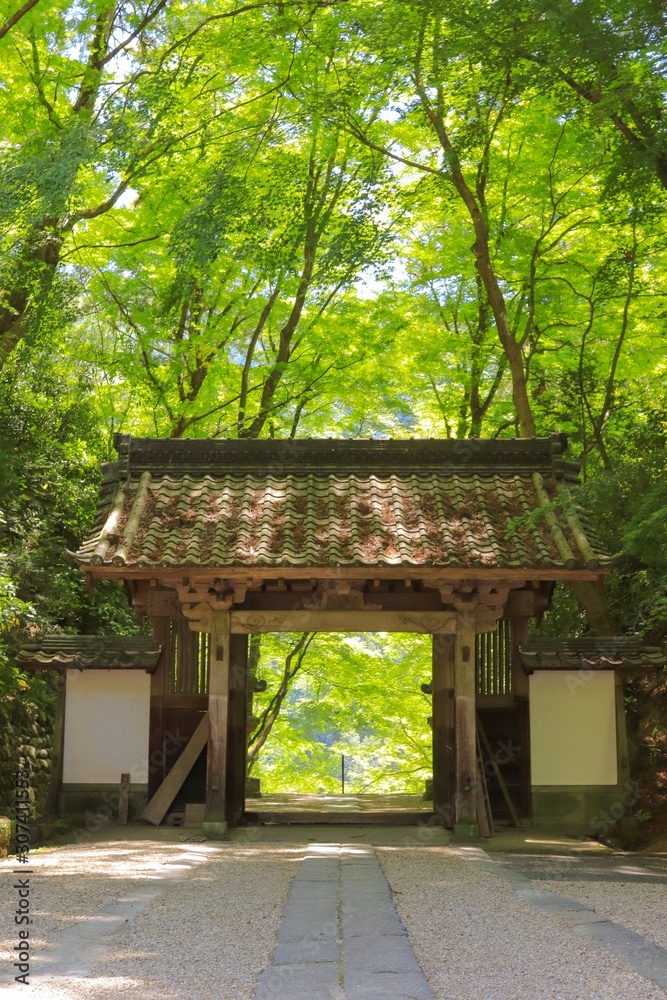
(443, 728)
(622, 752)
(156, 735)
(123, 799)
(466, 727)
(218, 715)
(521, 689)
(237, 736)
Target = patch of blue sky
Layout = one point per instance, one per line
(371, 283)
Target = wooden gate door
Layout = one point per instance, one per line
(237, 736)
(444, 732)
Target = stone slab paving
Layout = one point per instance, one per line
(640, 953)
(628, 889)
(340, 937)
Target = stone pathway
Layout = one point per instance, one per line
(340, 936)
(642, 955)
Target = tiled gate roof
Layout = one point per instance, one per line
(614, 652)
(125, 652)
(340, 503)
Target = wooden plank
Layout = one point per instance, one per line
(496, 701)
(161, 603)
(157, 808)
(466, 729)
(172, 578)
(123, 799)
(255, 622)
(194, 814)
(218, 713)
(484, 817)
(186, 702)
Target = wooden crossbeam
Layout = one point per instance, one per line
(157, 808)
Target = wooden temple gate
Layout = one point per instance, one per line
(474, 674)
(217, 540)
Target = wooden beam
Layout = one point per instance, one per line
(466, 729)
(174, 577)
(157, 808)
(254, 622)
(218, 712)
(442, 690)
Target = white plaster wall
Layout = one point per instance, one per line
(573, 728)
(106, 726)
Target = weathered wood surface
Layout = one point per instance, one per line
(466, 728)
(253, 622)
(194, 814)
(442, 690)
(237, 738)
(156, 729)
(218, 713)
(498, 773)
(484, 817)
(170, 578)
(157, 808)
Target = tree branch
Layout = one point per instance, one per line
(15, 18)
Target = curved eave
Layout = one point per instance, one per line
(107, 571)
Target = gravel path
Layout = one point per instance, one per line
(630, 891)
(173, 921)
(475, 939)
(206, 936)
(111, 870)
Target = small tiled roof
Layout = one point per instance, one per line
(83, 652)
(340, 503)
(591, 652)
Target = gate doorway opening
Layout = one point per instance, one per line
(339, 727)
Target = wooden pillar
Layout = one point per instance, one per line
(156, 734)
(466, 727)
(442, 688)
(57, 747)
(622, 750)
(521, 691)
(218, 713)
(237, 741)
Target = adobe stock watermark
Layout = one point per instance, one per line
(22, 914)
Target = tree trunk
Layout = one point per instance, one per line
(593, 604)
